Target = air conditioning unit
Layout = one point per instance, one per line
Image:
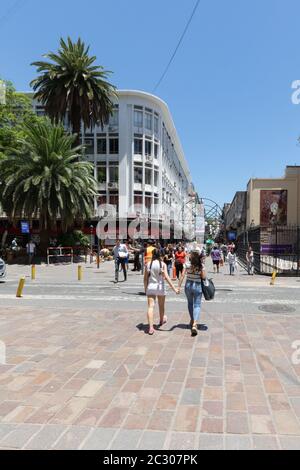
(113, 185)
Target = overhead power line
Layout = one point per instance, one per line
(178, 45)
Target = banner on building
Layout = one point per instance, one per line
(273, 207)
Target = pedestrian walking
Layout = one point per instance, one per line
(155, 288)
(224, 251)
(250, 261)
(120, 253)
(137, 253)
(142, 256)
(194, 272)
(148, 252)
(168, 258)
(180, 257)
(30, 250)
(216, 258)
(232, 262)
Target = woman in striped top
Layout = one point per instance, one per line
(194, 272)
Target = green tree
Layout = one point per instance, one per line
(45, 180)
(71, 86)
(16, 108)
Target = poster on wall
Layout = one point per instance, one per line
(273, 207)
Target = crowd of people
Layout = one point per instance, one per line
(162, 265)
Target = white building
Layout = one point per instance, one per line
(139, 162)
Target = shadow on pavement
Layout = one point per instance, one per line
(183, 326)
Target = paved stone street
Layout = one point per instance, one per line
(81, 373)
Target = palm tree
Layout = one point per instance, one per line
(44, 179)
(71, 86)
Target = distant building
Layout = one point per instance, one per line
(274, 201)
(235, 214)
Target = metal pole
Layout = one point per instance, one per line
(91, 252)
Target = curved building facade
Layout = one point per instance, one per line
(138, 160)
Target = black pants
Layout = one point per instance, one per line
(179, 269)
(137, 264)
(118, 262)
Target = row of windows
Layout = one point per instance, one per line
(145, 119)
(146, 175)
(104, 145)
(107, 174)
(147, 204)
(150, 148)
(140, 204)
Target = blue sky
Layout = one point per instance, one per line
(229, 88)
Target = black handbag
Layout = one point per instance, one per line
(208, 289)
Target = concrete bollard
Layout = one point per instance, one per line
(20, 287)
(273, 278)
(33, 271)
(79, 273)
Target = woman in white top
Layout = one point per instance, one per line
(232, 262)
(154, 282)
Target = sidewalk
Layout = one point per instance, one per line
(90, 378)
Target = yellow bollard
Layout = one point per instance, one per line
(33, 272)
(79, 273)
(20, 287)
(273, 278)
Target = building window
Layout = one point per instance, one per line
(138, 118)
(148, 203)
(138, 146)
(113, 145)
(138, 174)
(156, 178)
(114, 118)
(113, 173)
(156, 150)
(156, 124)
(40, 111)
(101, 173)
(148, 121)
(148, 176)
(102, 199)
(114, 200)
(101, 146)
(148, 148)
(138, 201)
(89, 146)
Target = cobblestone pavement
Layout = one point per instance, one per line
(91, 378)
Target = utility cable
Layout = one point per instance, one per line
(178, 45)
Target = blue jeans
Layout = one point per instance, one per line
(169, 268)
(193, 292)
